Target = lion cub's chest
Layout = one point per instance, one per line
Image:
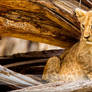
(84, 58)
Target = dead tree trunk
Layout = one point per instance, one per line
(47, 21)
(83, 86)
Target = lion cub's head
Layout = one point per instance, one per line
(85, 19)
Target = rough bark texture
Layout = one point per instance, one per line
(43, 21)
(82, 86)
(15, 79)
(32, 56)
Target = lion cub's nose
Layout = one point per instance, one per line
(86, 37)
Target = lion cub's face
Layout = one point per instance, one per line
(85, 19)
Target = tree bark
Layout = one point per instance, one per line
(47, 21)
(15, 79)
(82, 86)
(30, 56)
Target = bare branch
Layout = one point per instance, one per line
(82, 86)
(15, 79)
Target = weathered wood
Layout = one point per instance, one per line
(30, 57)
(15, 79)
(87, 3)
(82, 86)
(47, 21)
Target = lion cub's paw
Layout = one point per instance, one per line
(51, 69)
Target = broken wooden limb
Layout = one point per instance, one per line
(87, 3)
(15, 79)
(43, 21)
(24, 63)
(31, 57)
(81, 86)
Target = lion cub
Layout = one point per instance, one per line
(76, 63)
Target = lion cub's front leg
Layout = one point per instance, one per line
(51, 70)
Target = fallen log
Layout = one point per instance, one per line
(30, 57)
(87, 3)
(81, 86)
(14, 79)
(49, 21)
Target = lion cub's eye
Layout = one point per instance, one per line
(90, 26)
(83, 26)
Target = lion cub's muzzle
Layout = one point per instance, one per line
(88, 39)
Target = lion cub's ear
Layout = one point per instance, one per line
(80, 13)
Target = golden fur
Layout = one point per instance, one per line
(76, 63)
